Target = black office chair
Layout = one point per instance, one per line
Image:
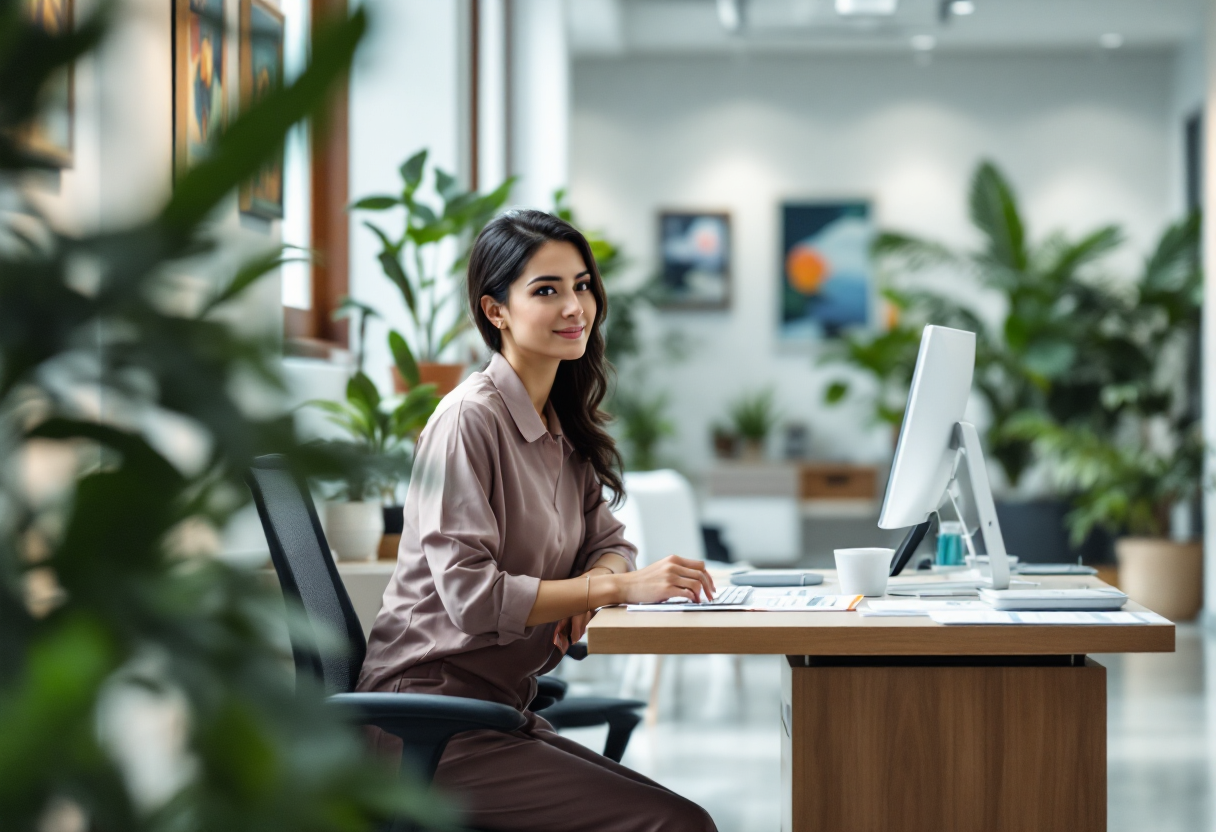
(423, 722)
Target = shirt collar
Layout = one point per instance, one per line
(519, 403)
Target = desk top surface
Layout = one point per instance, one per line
(614, 630)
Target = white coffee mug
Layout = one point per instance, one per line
(863, 571)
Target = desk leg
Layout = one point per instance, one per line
(943, 748)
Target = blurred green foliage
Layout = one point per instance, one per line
(1069, 337)
(104, 619)
(411, 259)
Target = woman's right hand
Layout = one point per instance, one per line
(671, 577)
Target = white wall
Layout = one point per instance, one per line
(1086, 139)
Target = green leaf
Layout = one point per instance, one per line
(250, 274)
(994, 211)
(836, 391)
(1049, 358)
(375, 203)
(424, 213)
(411, 172)
(361, 392)
(446, 185)
(391, 263)
(403, 358)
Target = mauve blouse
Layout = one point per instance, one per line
(496, 504)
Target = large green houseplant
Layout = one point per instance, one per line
(1132, 470)
(102, 612)
(412, 259)
(1056, 345)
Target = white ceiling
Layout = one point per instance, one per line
(618, 27)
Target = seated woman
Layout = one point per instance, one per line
(509, 546)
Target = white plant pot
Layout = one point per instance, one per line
(354, 529)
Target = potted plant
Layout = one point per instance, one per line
(377, 456)
(753, 417)
(1130, 470)
(1065, 335)
(1130, 487)
(412, 259)
(643, 425)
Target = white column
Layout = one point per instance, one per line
(1209, 313)
(492, 94)
(540, 100)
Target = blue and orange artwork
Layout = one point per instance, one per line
(826, 270)
(205, 90)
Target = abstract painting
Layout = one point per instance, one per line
(200, 93)
(694, 247)
(49, 137)
(826, 274)
(261, 71)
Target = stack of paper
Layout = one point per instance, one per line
(914, 606)
(1089, 618)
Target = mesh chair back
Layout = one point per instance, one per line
(307, 574)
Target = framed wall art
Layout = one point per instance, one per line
(827, 275)
(261, 71)
(200, 93)
(49, 137)
(695, 253)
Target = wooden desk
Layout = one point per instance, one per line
(902, 724)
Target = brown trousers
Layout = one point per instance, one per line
(534, 780)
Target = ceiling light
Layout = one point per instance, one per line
(923, 43)
(866, 7)
(962, 8)
(1111, 40)
(730, 15)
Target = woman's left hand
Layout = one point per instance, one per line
(570, 630)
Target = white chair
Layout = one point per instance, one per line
(762, 530)
(661, 519)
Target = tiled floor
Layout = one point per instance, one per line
(716, 740)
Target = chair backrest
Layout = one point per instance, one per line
(660, 516)
(307, 574)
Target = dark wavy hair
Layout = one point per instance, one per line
(499, 257)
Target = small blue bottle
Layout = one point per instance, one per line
(949, 543)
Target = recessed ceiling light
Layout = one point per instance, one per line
(923, 43)
(1111, 40)
(962, 8)
(862, 7)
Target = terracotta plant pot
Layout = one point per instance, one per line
(1165, 576)
(445, 377)
(353, 529)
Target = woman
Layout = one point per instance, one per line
(509, 546)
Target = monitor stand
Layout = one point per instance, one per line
(966, 443)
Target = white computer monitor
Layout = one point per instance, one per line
(934, 441)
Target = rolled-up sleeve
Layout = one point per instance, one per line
(459, 531)
(604, 533)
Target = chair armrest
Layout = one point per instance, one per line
(425, 722)
(549, 691)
